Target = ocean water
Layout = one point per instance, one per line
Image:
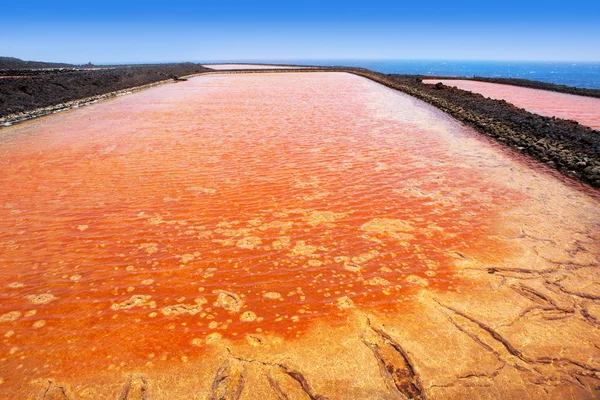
(578, 74)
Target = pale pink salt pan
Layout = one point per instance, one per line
(249, 66)
(585, 110)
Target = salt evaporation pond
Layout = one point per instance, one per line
(585, 110)
(138, 232)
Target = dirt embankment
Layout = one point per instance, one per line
(27, 89)
(566, 145)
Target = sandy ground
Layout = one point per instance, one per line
(585, 110)
(248, 66)
(289, 236)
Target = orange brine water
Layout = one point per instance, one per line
(141, 228)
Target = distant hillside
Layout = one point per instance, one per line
(16, 63)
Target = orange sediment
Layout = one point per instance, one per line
(140, 229)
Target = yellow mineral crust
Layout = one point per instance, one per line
(135, 301)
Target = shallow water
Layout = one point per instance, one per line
(137, 230)
(585, 110)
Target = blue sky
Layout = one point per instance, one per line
(104, 31)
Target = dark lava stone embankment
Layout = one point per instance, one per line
(566, 145)
(533, 85)
(26, 90)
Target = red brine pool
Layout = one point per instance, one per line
(138, 231)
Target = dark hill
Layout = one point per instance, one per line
(16, 63)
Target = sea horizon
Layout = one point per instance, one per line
(571, 73)
(582, 74)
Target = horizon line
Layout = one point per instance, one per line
(288, 60)
(291, 60)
